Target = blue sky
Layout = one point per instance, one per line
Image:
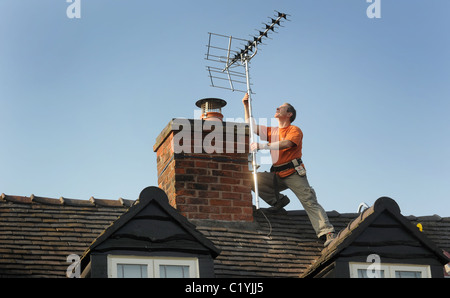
(83, 100)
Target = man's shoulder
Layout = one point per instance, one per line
(289, 129)
(293, 128)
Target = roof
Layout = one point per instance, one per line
(37, 234)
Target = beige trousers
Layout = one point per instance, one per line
(305, 193)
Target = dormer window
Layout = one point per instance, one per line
(363, 270)
(152, 267)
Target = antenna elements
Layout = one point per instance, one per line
(257, 40)
(226, 56)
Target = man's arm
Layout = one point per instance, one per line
(256, 128)
(273, 146)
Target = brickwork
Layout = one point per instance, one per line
(203, 183)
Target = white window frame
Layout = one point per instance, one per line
(192, 263)
(390, 269)
(152, 264)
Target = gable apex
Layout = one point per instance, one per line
(152, 193)
(384, 203)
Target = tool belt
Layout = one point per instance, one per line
(296, 164)
(293, 164)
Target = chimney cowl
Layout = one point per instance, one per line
(211, 108)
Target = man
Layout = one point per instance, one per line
(288, 171)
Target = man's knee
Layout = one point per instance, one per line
(307, 196)
(265, 181)
(266, 189)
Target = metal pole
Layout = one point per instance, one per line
(252, 139)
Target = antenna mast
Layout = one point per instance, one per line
(220, 51)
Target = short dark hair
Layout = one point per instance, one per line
(291, 109)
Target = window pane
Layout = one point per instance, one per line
(131, 271)
(408, 274)
(171, 271)
(362, 273)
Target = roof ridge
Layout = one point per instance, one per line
(121, 202)
(434, 217)
(334, 213)
(91, 202)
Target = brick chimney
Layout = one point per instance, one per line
(203, 168)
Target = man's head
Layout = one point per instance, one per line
(286, 111)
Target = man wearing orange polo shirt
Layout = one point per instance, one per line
(288, 171)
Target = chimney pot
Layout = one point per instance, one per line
(211, 108)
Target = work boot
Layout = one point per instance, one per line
(279, 205)
(329, 238)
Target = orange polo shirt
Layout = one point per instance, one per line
(280, 157)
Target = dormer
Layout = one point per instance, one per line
(382, 243)
(151, 239)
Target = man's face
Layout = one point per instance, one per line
(282, 112)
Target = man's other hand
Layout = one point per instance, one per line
(245, 99)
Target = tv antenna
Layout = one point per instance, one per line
(231, 71)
